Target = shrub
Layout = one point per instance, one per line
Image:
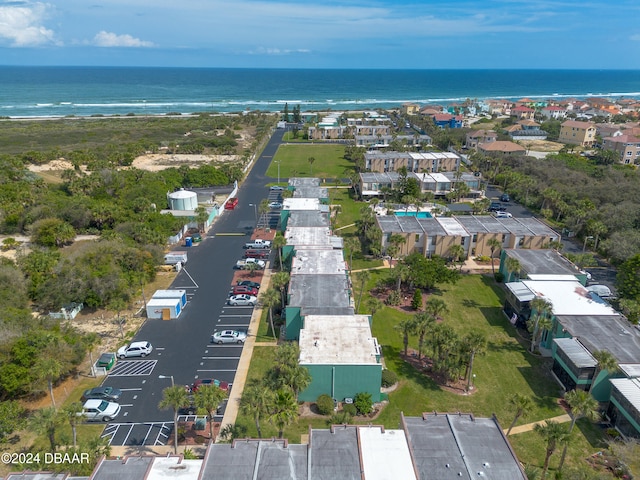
(363, 403)
(389, 378)
(324, 404)
(349, 408)
(499, 277)
(341, 418)
(483, 259)
(393, 298)
(416, 301)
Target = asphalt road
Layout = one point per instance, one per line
(181, 347)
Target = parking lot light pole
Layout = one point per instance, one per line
(168, 376)
(278, 162)
(584, 246)
(255, 210)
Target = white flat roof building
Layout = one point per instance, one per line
(452, 226)
(301, 204)
(337, 339)
(385, 454)
(309, 236)
(570, 298)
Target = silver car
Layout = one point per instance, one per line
(243, 299)
(228, 336)
(99, 410)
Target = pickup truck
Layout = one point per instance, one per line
(258, 243)
(242, 264)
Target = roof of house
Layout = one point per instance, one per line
(570, 298)
(304, 182)
(501, 146)
(319, 291)
(576, 352)
(522, 108)
(629, 388)
(542, 262)
(578, 124)
(338, 340)
(308, 218)
(460, 446)
(326, 261)
(310, 192)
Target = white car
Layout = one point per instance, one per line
(99, 410)
(276, 188)
(136, 349)
(228, 336)
(243, 299)
(275, 205)
(503, 215)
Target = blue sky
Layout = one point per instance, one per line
(600, 34)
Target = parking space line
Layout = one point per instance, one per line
(220, 358)
(129, 389)
(217, 370)
(127, 437)
(241, 315)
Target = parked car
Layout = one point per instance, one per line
(231, 203)
(196, 237)
(135, 349)
(601, 290)
(275, 205)
(239, 289)
(210, 381)
(276, 188)
(505, 197)
(109, 394)
(243, 299)
(496, 207)
(106, 360)
(248, 283)
(228, 336)
(501, 214)
(99, 410)
(262, 254)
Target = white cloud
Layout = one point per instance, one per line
(635, 38)
(22, 25)
(277, 51)
(109, 39)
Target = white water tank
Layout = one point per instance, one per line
(183, 200)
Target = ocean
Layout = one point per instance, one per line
(85, 91)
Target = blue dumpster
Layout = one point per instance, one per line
(188, 241)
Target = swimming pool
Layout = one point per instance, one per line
(413, 214)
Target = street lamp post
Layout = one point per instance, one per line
(278, 162)
(584, 246)
(168, 376)
(255, 210)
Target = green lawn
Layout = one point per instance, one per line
(294, 161)
(474, 304)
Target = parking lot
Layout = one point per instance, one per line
(182, 349)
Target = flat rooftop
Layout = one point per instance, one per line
(385, 454)
(629, 388)
(542, 262)
(319, 291)
(605, 332)
(128, 468)
(301, 204)
(337, 339)
(310, 192)
(460, 446)
(570, 298)
(174, 467)
(452, 226)
(318, 262)
(308, 218)
(308, 236)
(334, 454)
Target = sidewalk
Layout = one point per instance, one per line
(530, 426)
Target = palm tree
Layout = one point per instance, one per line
(493, 244)
(270, 298)
(283, 409)
(174, 397)
(513, 267)
(351, 244)
(401, 273)
(406, 327)
(373, 304)
(90, 341)
(255, 401)
(279, 281)
(422, 323)
(49, 368)
(474, 344)
(363, 278)
(278, 242)
(542, 308)
(582, 405)
(436, 307)
(311, 160)
(73, 414)
(209, 397)
(395, 241)
(46, 421)
(456, 252)
(553, 433)
(606, 362)
(523, 406)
